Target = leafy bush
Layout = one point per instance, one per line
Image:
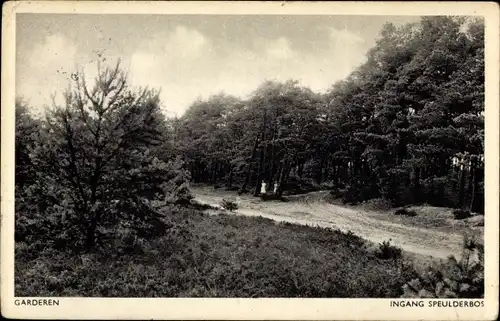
(229, 205)
(271, 197)
(357, 192)
(395, 187)
(202, 206)
(387, 251)
(337, 193)
(453, 278)
(405, 212)
(440, 191)
(295, 185)
(378, 204)
(460, 214)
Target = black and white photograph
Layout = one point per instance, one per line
(252, 156)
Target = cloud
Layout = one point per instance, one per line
(280, 49)
(174, 50)
(54, 53)
(49, 66)
(181, 44)
(46, 70)
(276, 59)
(185, 64)
(188, 43)
(344, 37)
(178, 62)
(348, 50)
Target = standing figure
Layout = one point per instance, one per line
(263, 188)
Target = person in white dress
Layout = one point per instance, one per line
(263, 188)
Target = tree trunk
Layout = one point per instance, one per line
(475, 186)
(280, 179)
(261, 157)
(214, 173)
(300, 169)
(478, 204)
(461, 192)
(470, 183)
(473, 192)
(335, 173)
(416, 185)
(319, 173)
(259, 172)
(230, 180)
(91, 228)
(249, 171)
(190, 166)
(285, 172)
(89, 241)
(270, 177)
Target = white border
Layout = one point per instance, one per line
(233, 309)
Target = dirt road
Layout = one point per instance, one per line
(315, 212)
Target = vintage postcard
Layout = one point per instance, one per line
(250, 160)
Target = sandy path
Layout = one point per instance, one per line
(413, 239)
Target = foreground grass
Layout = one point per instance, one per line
(219, 256)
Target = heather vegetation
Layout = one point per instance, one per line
(217, 256)
(103, 205)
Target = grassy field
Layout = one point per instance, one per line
(216, 256)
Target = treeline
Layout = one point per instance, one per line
(406, 126)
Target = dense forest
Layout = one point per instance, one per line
(107, 173)
(406, 126)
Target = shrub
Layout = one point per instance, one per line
(337, 193)
(271, 197)
(405, 212)
(229, 205)
(460, 214)
(440, 191)
(378, 204)
(387, 251)
(353, 194)
(295, 185)
(394, 186)
(202, 206)
(358, 191)
(453, 278)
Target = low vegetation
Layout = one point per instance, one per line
(214, 256)
(461, 214)
(405, 212)
(377, 204)
(235, 256)
(453, 278)
(229, 205)
(388, 251)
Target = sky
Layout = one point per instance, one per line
(191, 56)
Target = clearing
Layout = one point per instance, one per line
(421, 235)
